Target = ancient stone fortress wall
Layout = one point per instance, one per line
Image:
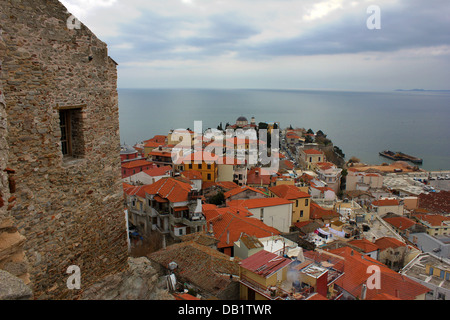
(68, 207)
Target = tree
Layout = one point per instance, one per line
(308, 139)
(321, 134)
(217, 199)
(219, 127)
(310, 131)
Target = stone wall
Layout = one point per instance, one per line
(69, 209)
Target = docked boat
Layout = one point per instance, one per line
(400, 156)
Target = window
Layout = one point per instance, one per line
(261, 214)
(190, 165)
(306, 202)
(301, 213)
(296, 203)
(199, 166)
(71, 126)
(431, 270)
(209, 167)
(209, 176)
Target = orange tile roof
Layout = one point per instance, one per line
(170, 188)
(435, 220)
(254, 176)
(437, 202)
(192, 174)
(388, 242)
(288, 192)
(152, 144)
(154, 172)
(312, 151)
(238, 190)
(317, 212)
(401, 223)
(355, 266)
(365, 245)
(230, 222)
(259, 203)
(136, 191)
(136, 163)
(386, 202)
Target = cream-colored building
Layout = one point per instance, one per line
(363, 181)
(387, 205)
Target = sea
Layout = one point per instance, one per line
(360, 123)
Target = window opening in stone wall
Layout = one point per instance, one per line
(72, 138)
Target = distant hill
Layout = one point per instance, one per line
(424, 90)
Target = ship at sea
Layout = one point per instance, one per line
(400, 156)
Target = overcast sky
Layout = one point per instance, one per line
(281, 44)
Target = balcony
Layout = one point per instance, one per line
(282, 291)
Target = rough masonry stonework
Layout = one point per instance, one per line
(69, 209)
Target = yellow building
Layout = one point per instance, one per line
(260, 276)
(301, 201)
(309, 157)
(207, 166)
(435, 224)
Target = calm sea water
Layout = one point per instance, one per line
(360, 123)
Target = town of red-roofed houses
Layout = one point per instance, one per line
(317, 228)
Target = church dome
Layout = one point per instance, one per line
(242, 119)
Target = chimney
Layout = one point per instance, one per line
(211, 230)
(228, 236)
(363, 292)
(199, 208)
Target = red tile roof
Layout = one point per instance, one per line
(388, 242)
(170, 188)
(385, 202)
(365, 245)
(254, 177)
(355, 267)
(288, 192)
(155, 172)
(434, 220)
(192, 174)
(136, 191)
(317, 212)
(401, 223)
(437, 202)
(230, 222)
(184, 296)
(259, 203)
(312, 151)
(136, 164)
(152, 144)
(265, 263)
